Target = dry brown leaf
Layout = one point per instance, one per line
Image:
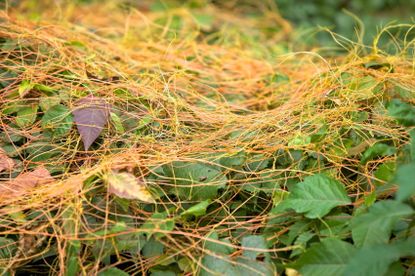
(6, 163)
(25, 182)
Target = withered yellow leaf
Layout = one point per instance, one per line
(126, 185)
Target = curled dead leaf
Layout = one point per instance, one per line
(126, 185)
(25, 182)
(6, 163)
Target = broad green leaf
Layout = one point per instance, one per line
(300, 226)
(72, 266)
(73, 247)
(412, 146)
(158, 224)
(7, 249)
(249, 267)
(204, 20)
(12, 107)
(301, 242)
(335, 226)
(385, 172)
(44, 88)
(116, 121)
(46, 102)
(113, 271)
(396, 269)
(163, 273)
(41, 151)
(116, 238)
(221, 246)
(365, 87)
(195, 181)
(329, 257)
(185, 264)
(57, 120)
(315, 196)
(377, 150)
(153, 248)
(403, 112)
(405, 179)
(300, 140)
(114, 229)
(375, 226)
(233, 160)
(24, 87)
(26, 116)
(198, 209)
(218, 265)
(375, 260)
(250, 243)
(126, 185)
(216, 260)
(257, 163)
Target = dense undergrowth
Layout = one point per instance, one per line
(228, 149)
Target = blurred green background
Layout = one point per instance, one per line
(308, 17)
(374, 14)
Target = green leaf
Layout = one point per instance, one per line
(377, 150)
(57, 120)
(315, 196)
(157, 222)
(41, 151)
(118, 227)
(375, 260)
(385, 172)
(412, 146)
(198, 209)
(221, 265)
(24, 87)
(7, 248)
(44, 88)
(405, 176)
(396, 269)
(217, 247)
(257, 163)
(335, 226)
(218, 262)
(301, 243)
(375, 226)
(116, 238)
(195, 181)
(116, 121)
(329, 257)
(113, 271)
(403, 112)
(27, 116)
(204, 20)
(233, 160)
(249, 243)
(163, 273)
(46, 102)
(153, 248)
(365, 87)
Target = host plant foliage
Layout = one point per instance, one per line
(192, 141)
